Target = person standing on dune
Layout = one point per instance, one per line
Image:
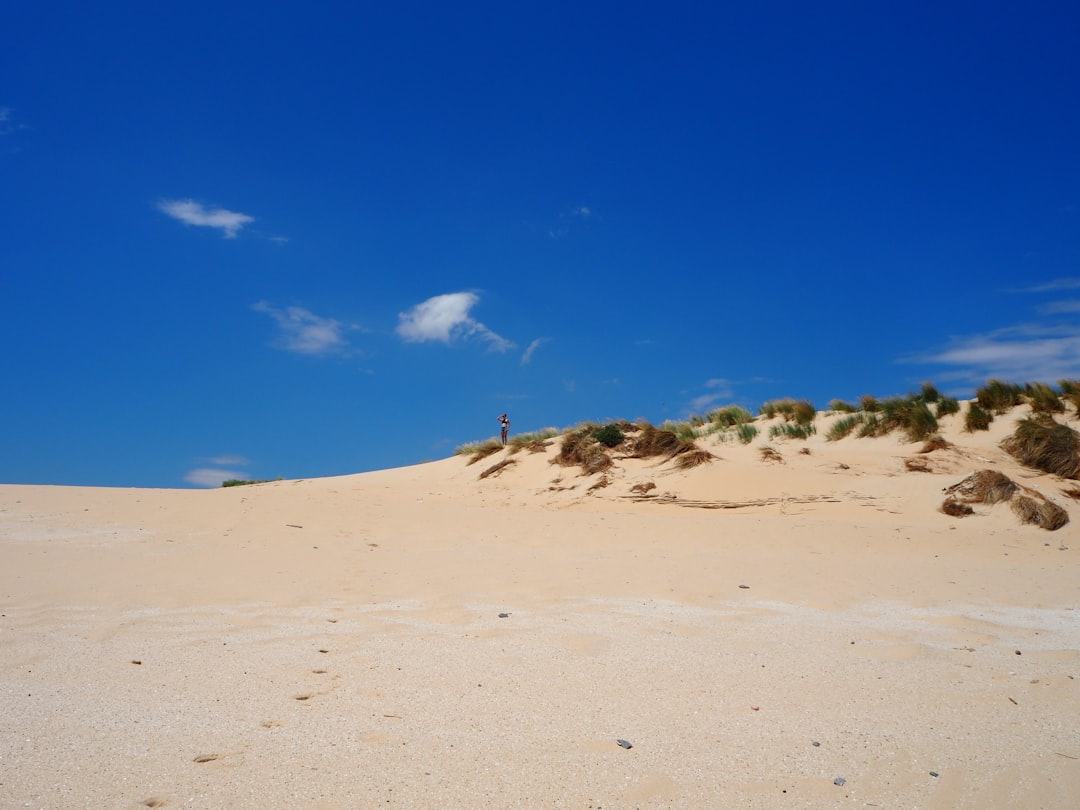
(504, 420)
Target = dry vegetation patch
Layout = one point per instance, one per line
(496, 469)
(990, 487)
(1045, 444)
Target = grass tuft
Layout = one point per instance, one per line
(1045, 444)
(977, 418)
(1042, 513)
(999, 397)
(786, 430)
(1043, 398)
(946, 406)
(844, 426)
(840, 406)
(747, 432)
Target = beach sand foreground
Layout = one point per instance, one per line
(806, 633)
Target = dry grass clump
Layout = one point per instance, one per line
(1045, 444)
(984, 486)
(1042, 513)
(1070, 391)
(840, 406)
(956, 508)
(535, 442)
(580, 448)
(643, 488)
(479, 450)
(1072, 492)
(694, 457)
(496, 469)
(990, 487)
(917, 465)
(770, 454)
(935, 442)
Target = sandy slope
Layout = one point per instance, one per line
(338, 642)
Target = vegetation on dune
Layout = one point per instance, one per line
(1040, 512)
(1043, 398)
(977, 418)
(840, 406)
(1042, 442)
(999, 397)
(946, 406)
(609, 435)
(730, 416)
(479, 450)
(801, 411)
(535, 442)
(787, 430)
(844, 426)
(909, 414)
(746, 432)
(240, 482)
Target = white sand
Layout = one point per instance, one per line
(337, 643)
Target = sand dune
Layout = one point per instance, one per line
(808, 632)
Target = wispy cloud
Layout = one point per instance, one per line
(225, 461)
(1024, 353)
(526, 358)
(445, 318)
(1043, 351)
(191, 212)
(208, 477)
(719, 390)
(579, 213)
(304, 332)
(1056, 285)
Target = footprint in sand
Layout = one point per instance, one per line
(154, 801)
(207, 758)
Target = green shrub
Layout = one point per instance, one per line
(998, 396)
(239, 482)
(929, 393)
(684, 430)
(1069, 387)
(869, 403)
(844, 426)
(842, 407)
(909, 414)
(609, 435)
(977, 418)
(1045, 444)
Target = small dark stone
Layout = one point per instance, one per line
(934, 774)
(746, 587)
(839, 781)
(1018, 652)
(816, 744)
(624, 744)
(504, 615)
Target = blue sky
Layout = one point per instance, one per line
(263, 240)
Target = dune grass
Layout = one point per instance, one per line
(999, 397)
(787, 430)
(799, 411)
(844, 426)
(1045, 444)
(977, 418)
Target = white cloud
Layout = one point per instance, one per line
(719, 391)
(526, 358)
(1025, 353)
(446, 318)
(1053, 286)
(193, 213)
(207, 477)
(303, 332)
